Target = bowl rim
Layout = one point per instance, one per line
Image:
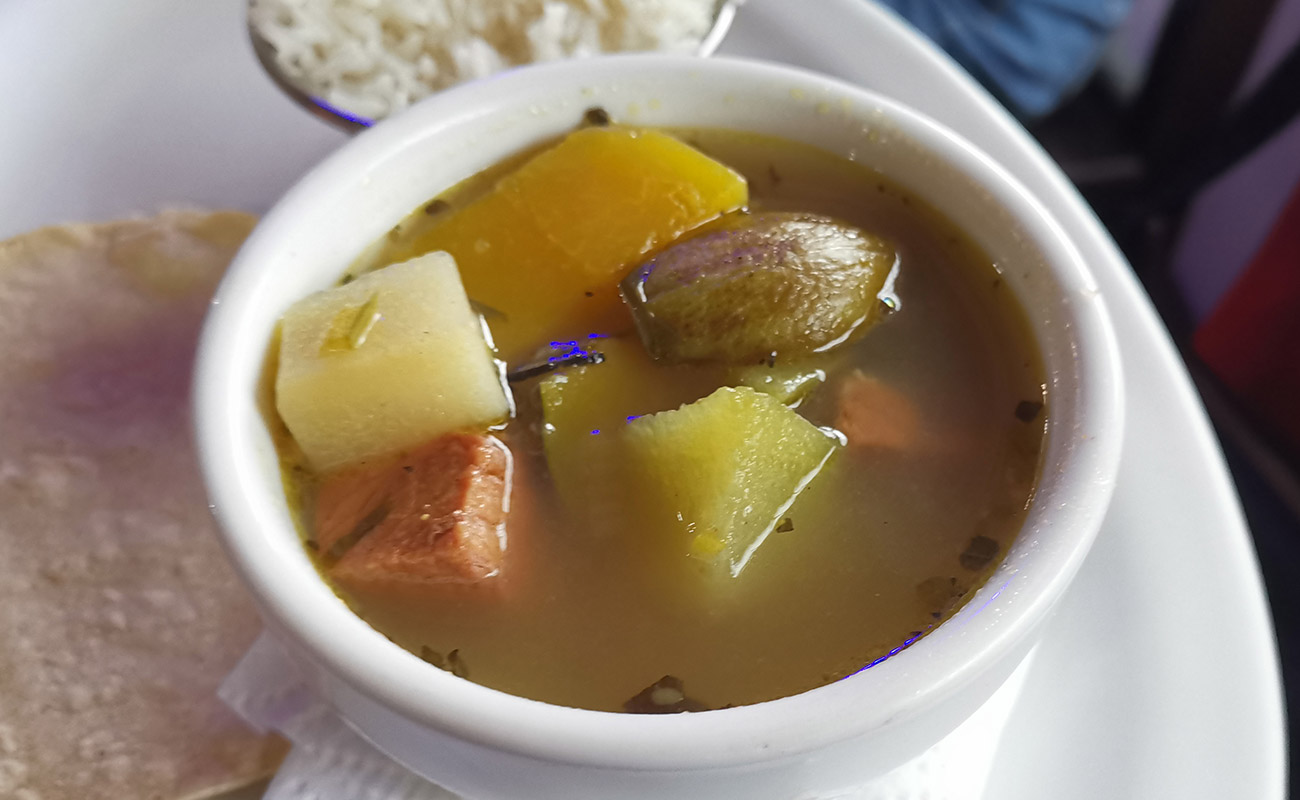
(800, 723)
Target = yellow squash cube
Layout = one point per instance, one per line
(721, 471)
(548, 245)
(384, 363)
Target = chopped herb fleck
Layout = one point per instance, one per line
(432, 656)
(456, 664)
(786, 525)
(664, 696)
(589, 294)
(436, 207)
(350, 327)
(1027, 410)
(367, 524)
(596, 116)
(773, 174)
(452, 662)
(408, 468)
(347, 278)
(579, 358)
(364, 323)
(979, 553)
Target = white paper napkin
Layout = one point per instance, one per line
(329, 761)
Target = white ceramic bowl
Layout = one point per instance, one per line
(487, 744)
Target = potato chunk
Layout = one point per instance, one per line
(723, 470)
(434, 515)
(385, 363)
(548, 245)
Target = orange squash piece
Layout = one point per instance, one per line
(548, 245)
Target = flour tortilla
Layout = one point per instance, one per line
(119, 615)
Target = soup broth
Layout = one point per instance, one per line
(883, 544)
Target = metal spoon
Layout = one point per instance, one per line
(350, 122)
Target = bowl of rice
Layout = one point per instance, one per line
(355, 62)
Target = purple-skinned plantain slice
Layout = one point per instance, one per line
(760, 286)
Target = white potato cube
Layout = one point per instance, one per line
(387, 362)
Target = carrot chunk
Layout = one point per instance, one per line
(874, 414)
(434, 515)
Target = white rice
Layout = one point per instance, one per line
(375, 57)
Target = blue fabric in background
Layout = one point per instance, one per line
(1030, 53)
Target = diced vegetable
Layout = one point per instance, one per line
(385, 363)
(556, 265)
(434, 515)
(788, 383)
(755, 285)
(723, 470)
(585, 411)
(873, 414)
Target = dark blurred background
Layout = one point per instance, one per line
(1179, 120)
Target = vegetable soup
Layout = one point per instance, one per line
(660, 421)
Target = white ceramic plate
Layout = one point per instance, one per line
(1159, 676)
